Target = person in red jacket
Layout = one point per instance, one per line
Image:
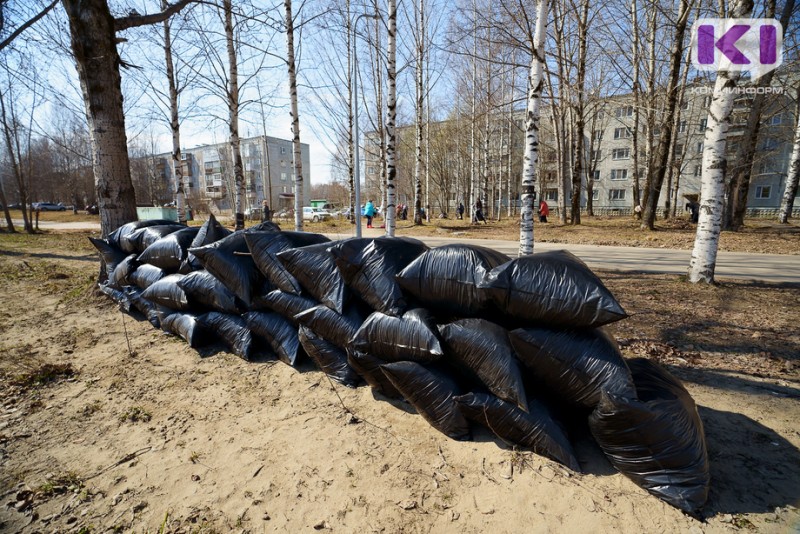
(544, 211)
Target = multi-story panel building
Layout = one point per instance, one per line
(268, 173)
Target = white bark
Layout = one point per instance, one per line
(391, 117)
(233, 114)
(714, 166)
(531, 154)
(174, 123)
(297, 156)
(473, 164)
(420, 15)
(791, 178)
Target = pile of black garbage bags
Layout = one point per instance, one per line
(463, 333)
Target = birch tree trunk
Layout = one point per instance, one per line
(531, 153)
(636, 106)
(485, 186)
(174, 123)
(350, 134)
(787, 204)
(233, 118)
(651, 102)
(420, 21)
(391, 117)
(10, 134)
(297, 155)
(379, 107)
(473, 169)
(714, 166)
(577, 163)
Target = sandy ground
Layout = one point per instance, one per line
(148, 435)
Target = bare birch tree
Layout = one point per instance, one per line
(298, 160)
(793, 172)
(712, 187)
(391, 117)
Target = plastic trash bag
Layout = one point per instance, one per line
(232, 329)
(412, 337)
(146, 275)
(484, 349)
(368, 367)
(154, 313)
(139, 240)
(168, 293)
(122, 299)
(656, 440)
(315, 270)
(576, 365)
(286, 304)
(230, 262)
(279, 333)
(329, 358)
(210, 232)
(115, 237)
(534, 429)
(169, 252)
(552, 289)
(111, 254)
(119, 276)
(264, 246)
(337, 328)
(369, 266)
(266, 226)
(189, 327)
(432, 394)
(445, 279)
(205, 291)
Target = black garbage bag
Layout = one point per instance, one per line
(110, 253)
(286, 304)
(146, 275)
(132, 292)
(139, 240)
(432, 394)
(329, 358)
(534, 429)
(115, 238)
(278, 332)
(120, 276)
(412, 337)
(575, 365)
(483, 348)
(232, 329)
(553, 289)
(656, 440)
(445, 279)
(230, 262)
(210, 232)
(169, 252)
(335, 327)
(121, 298)
(264, 246)
(369, 266)
(189, 327)
(313, 267)
(155, 313)
(205, 291)
(368, 367)
(266, 226)
(168, 293)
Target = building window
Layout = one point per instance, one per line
(621, 153)
(595, 194)
(283, 177)
(698, 170)
(601, 115)
(763, 191)
(685, 104)
(595, 175)
(283, 150)
(283, 163)
(622, 133)
(770, 143)
(616, 194)
(551, 195)
(656, 130)
(598, 135)
(370, 170)
(550, 177)
(706, 101)
(681, 126)
(700, 148)
(775, 119)
(619, 174)
(624, 111)
(596, 155)
(703, 124)
(679, 149)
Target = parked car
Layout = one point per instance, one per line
(15, 206)
(48, 206)
(315, 214)
(285, 213)
(92, 210)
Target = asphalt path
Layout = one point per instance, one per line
(731, 265)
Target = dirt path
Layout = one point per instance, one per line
(136, 431)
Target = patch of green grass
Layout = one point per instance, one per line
(136, 414)
(90, 409)
(61, 483)
(45, 374)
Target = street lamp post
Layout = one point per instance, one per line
(357, 207)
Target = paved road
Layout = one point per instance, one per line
(741, 265)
